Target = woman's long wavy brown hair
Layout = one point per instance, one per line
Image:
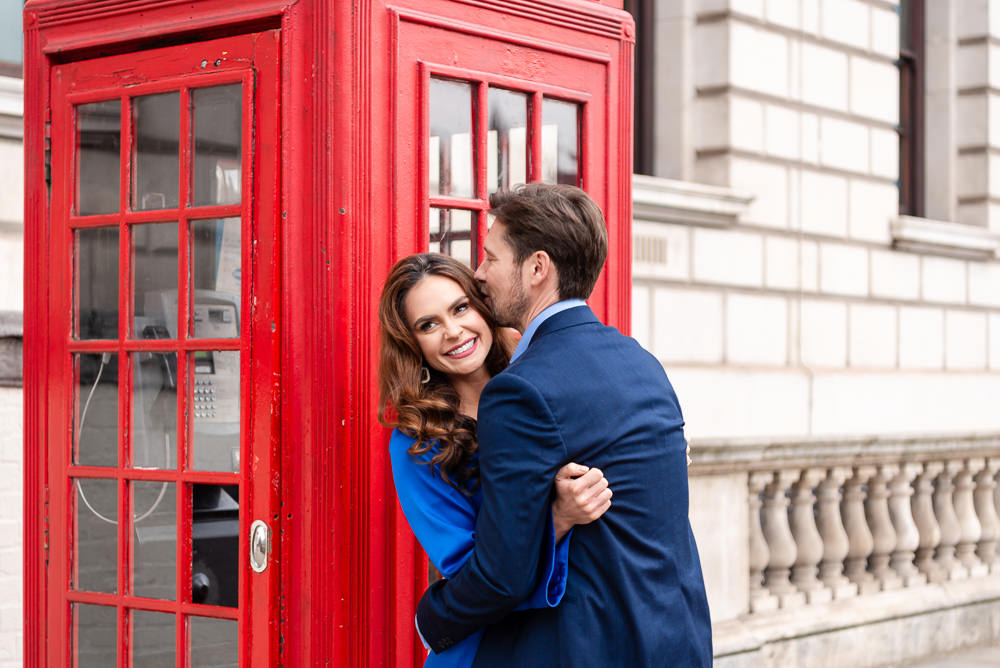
(429, 411)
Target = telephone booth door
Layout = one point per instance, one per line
(163, 317)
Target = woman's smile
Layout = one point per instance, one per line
(465, 349)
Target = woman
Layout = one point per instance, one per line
(440, 346)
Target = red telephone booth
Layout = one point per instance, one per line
(214, 194)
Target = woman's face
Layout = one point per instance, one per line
(452, 335)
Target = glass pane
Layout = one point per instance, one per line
(215, 530)
(156, 123)
(96, 283)
(215, 407)
(451, 233)
(217, 148)
(98, 143)
(215, 265)
(450, 146)
(507, 139)
(97, 410)
(213, 643)
(154, 410)
(94, 640)
(154, 554)
(154, 266)
(154, 639)
(560, 155)
(96, 565)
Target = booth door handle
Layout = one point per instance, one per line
(260, 545)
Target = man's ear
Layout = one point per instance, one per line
(539, 268)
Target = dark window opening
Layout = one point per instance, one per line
(911, 108)
(642, 122)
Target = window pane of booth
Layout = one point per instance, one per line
(156, 123)
(560, 154)
(96, 442)
(94, 636)
(154, 410)
(507, 139)
(213, 643)
(154, 539)
(154, 267)
(451, 233)
(216, 274)
(154, 640)
(95, 562)
(95, 265)
(98, 145)
(214, 410)
(450, 161)
(215, 533)
(217, 144)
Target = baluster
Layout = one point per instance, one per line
(859, 536)
(807, 539)
(780, 543)
(923, 515)
(883, 535)
(831, 529)
(951, 531)
(965, 508)
(760, 598)
(907, 535)
(987, 513)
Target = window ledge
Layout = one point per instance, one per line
(944, 238)
(669, 201)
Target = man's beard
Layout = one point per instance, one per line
(511, 312)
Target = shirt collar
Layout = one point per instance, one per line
(533, 326)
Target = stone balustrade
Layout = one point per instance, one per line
(837, 519)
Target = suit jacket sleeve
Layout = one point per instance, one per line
(520, 451)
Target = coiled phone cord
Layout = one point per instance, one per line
(105, 358)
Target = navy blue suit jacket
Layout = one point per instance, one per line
(635, 596)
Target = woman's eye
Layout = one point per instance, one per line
(462, 308)
(425, 326)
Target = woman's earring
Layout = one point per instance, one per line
(425, 375)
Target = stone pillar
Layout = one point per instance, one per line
(883, 535)
(986, 550)
(760, 598)
(951, 531)
(859, 536)
(831, 529)
(965, 508)
(907, 534)
(780, 542)
(808, 542)
(923, 514)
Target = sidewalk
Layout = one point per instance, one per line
(982, 657)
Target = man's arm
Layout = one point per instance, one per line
(520, 451)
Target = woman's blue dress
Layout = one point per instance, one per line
(444, 521)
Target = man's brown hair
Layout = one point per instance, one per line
(562, 221)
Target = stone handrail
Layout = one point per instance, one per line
(839, 518)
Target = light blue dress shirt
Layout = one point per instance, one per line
(550, 311)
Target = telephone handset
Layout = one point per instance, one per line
(215, 397)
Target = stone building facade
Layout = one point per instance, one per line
(837, 361)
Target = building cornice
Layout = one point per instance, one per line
(668, 201)
(944, 238)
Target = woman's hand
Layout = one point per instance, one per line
(582, 496)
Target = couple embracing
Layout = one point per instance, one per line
(505, 457)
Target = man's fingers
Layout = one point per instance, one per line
(572, 470)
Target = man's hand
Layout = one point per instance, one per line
(582, 496)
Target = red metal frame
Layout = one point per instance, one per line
(350, 572)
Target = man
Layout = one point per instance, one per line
(575, 391)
